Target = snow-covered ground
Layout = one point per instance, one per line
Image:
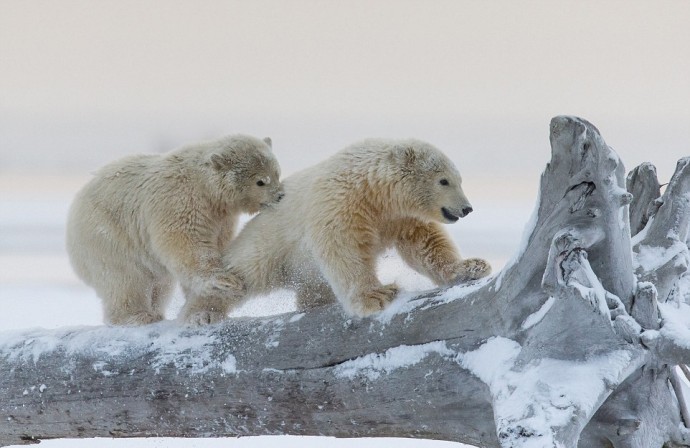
(39, 289)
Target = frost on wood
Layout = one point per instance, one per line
(643, 184)
(574, 343)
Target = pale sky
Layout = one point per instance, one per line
(83, 82)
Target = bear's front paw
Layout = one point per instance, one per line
(374, 300)
(204, 317)
(473, 269)
(227, 281)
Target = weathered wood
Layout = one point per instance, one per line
(665, 237)
(660, 260)
(564, 347)
(221, 387)
(643, 184)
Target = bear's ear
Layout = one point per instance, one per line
(269, 142)
(220, 162)
(405, 155)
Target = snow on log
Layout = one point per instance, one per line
(661, 250)
(572, 344)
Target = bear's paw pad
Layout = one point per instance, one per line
(473, 269)
(374, 300)
(204, 317)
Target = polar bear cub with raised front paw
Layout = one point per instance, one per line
(323, 240)
(146, 221)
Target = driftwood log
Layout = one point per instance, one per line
(574, 343)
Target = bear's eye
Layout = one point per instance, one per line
(443, 182)
(260, 183)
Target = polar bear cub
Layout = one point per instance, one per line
(145, 221)
(323, 240)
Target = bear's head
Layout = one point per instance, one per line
(247, 171)
(430, 182)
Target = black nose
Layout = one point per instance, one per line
(466, 211)
(280, 196)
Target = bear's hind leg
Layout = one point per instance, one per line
(127, 299)
(210, 303)
(357, 287)
(161, 295)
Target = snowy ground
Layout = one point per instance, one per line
(38, 288)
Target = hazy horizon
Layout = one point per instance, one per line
(86, 82)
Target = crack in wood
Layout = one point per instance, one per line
(587, 190)
(339, 362)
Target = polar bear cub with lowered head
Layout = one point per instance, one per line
(323, 239)
(147, 220)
